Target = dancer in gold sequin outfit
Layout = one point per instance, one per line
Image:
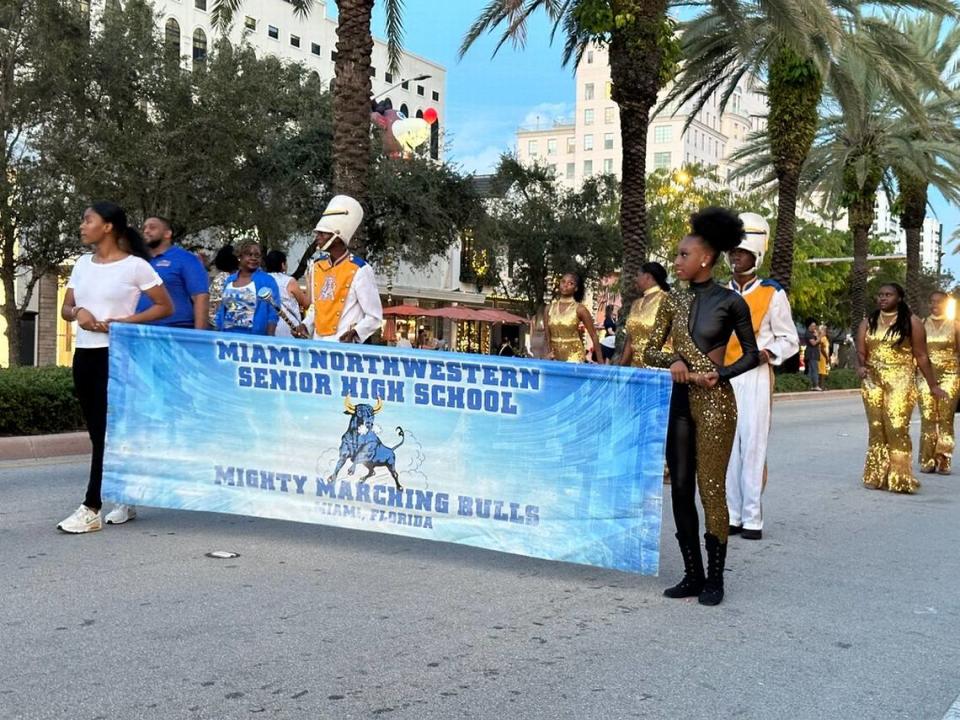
(936, 426)
(703, 411)
(562, 323)
(891, 347)
(652, 282)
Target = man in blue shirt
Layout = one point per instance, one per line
(183, 276)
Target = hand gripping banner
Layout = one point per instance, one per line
(545, 459)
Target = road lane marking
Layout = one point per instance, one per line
(953, 712)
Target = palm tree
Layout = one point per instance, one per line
(740, 38)
(940, 109)
(351, 87)
(643, 55)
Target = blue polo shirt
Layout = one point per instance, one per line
(183, 276)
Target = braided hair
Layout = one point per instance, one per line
(900, 329)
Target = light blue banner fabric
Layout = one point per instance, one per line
(544, 459)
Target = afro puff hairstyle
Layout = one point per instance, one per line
(719, 228)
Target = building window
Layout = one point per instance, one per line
(403, 110)
(250, 23)
(388, 77)
(588, 142)
(608, 116)
(420, 114)
(171, 38)
(373, 71)
(589, 57)
(333, 55)
(199, 46)
(435, 140)
(588, 117)
(532, 148)
(405, 84)
(295, 40)
(588, 91)
(273, 32)
(571, 169)
(587, 168)
(662, 133)
(608, 90)
(661, 161)
(571, 144)
(200, 4)
(553, 168)
(552, 146)
(435, 95)
(420, 90)
(608, 141)
(315, 48)
(608, 166)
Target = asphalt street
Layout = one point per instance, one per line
(848, 608)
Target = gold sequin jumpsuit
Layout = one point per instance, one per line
(703, 421)
(936, 426)
(643, 313)
(565, 341)
(889, 394)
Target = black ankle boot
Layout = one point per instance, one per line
(692, 583)
(716, 557)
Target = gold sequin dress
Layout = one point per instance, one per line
(565, 341)
(936, 425)
(640, 321)
(889, 394)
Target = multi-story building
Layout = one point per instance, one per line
(887, 226)
(589, 143)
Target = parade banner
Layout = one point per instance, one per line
(545, 459)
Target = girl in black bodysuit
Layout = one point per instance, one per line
(703, 410)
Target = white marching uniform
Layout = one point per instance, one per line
(777, 335)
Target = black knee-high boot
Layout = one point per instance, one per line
(692, 583)
(716, 558)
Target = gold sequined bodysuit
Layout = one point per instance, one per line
(565, 341)
(936, 425)
(711, 313)
(640, 321)
(889, 393)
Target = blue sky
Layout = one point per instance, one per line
(488, 98)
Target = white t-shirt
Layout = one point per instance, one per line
(109, 291)
(289, 303)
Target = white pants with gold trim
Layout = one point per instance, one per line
(747, 472)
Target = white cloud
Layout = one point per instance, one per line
(545, 115)
(485, 161)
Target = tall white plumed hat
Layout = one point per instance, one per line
(756, 236)
(341, 218)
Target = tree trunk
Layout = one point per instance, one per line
(860, 213)
(351, 106)
(637, 72)
(794, 91)
(913, 211)
(10, 312)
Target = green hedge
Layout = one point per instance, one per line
(37, 401)
(838, 379)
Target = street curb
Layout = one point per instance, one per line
(39, 447)
(813, 395)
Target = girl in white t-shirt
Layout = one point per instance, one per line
(104, 288)
(292, 298)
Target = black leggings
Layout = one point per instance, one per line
(682, 462)
(90, 367)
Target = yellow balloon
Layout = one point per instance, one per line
(411, 133)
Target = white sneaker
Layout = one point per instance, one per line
(83, 520)
(121, 514)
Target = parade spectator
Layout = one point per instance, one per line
(703, 410)
(292, 297)
(403, 341)
(241, 311)
(811, 353)
(937, 416)
(104, 288)
(562, 323)
(652, 283)
(891, 347)
(608, 343)
(823, 361)
(506, 349)
(341, 287)
(183, 275)
(224, 264)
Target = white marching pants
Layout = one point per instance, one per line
(747, 472)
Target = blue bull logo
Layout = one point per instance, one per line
(361, 446)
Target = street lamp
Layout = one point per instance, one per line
(418, 78)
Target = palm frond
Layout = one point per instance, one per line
(394, 29)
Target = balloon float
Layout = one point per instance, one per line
(384, 117)
(411, 133)
(430, 115)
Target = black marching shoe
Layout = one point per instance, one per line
(748, 534)
(734, 529)
(692, 583)
(716, 557)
